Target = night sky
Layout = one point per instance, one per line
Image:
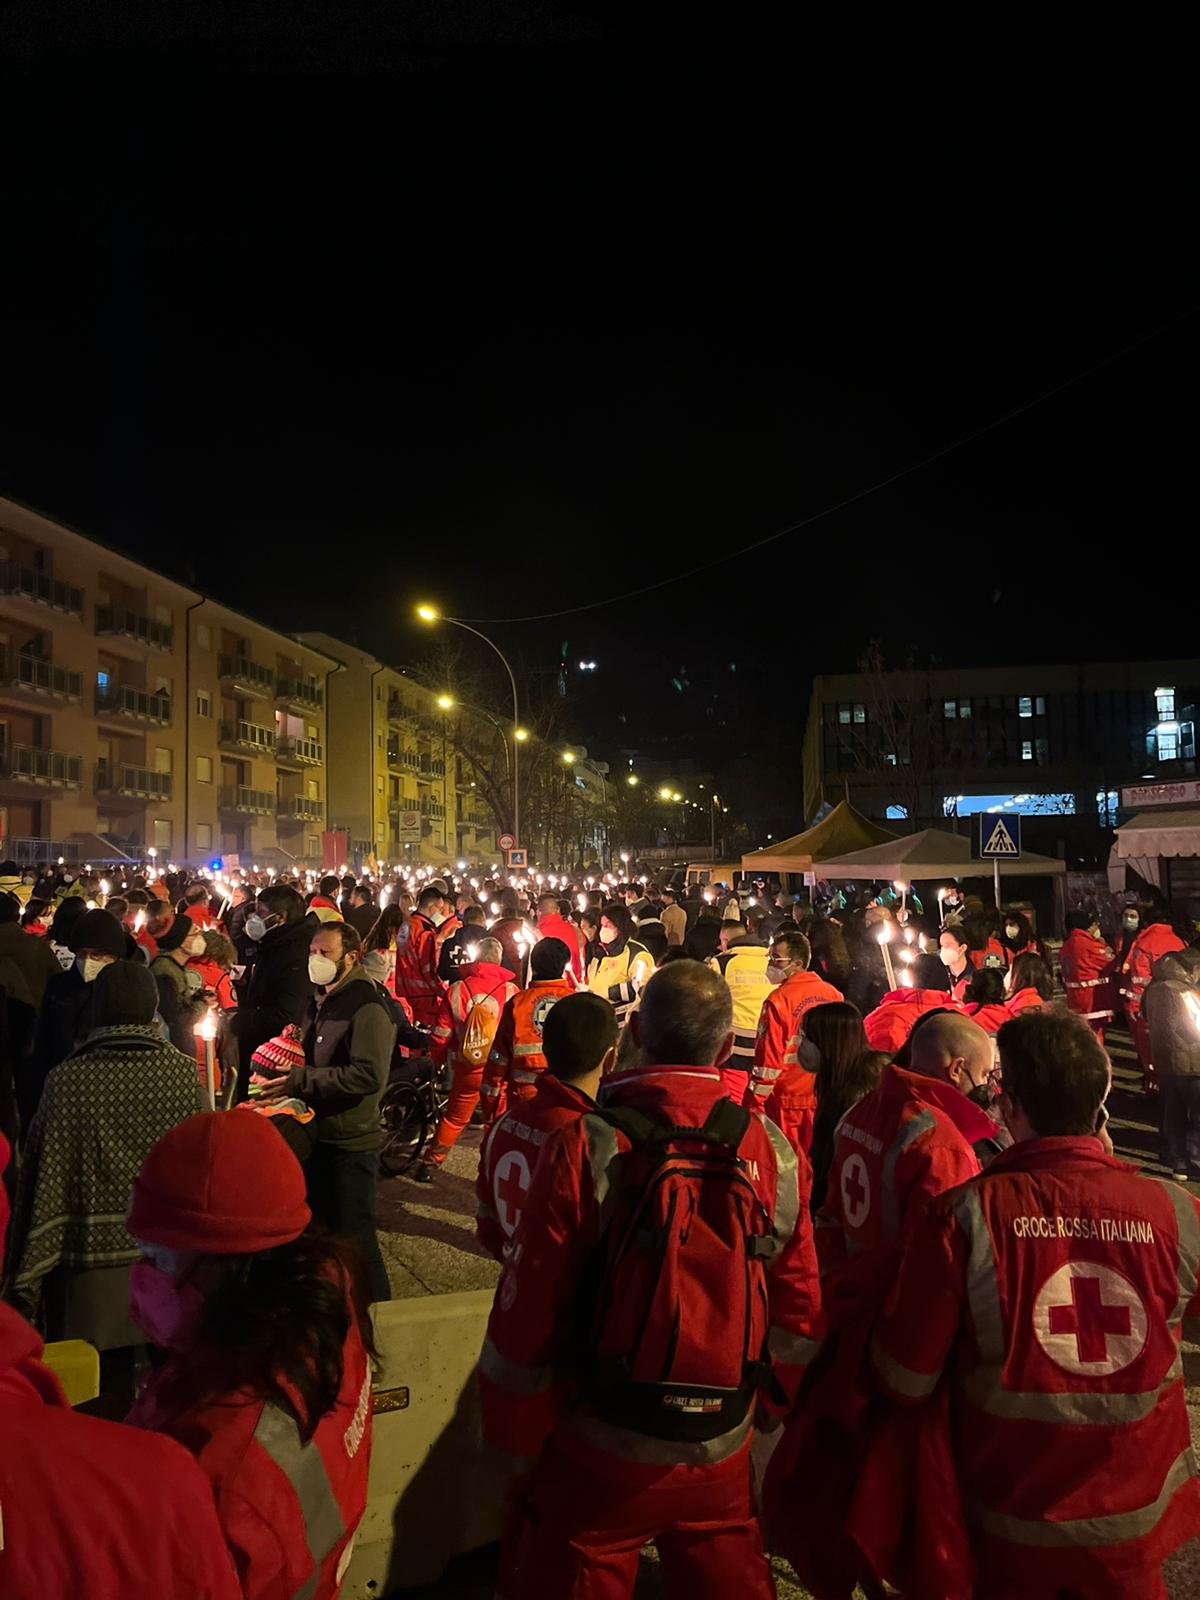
(327, 309)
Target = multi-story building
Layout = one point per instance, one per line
(137, 715)
(1055, 743)
(397, 782)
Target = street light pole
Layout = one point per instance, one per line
(713, 820)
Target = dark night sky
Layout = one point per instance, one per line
(328, 309)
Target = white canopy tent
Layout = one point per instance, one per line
(933, 853)
(1146, 838)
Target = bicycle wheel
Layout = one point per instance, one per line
(404, 1114)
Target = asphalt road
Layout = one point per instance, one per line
(427, 1234)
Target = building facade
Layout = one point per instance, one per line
(136, 715)
(1055, 743)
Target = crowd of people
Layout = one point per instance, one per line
(812, 1235)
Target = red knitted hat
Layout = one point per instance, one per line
(220, 1184)
(279, 1055)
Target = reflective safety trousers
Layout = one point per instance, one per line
(1054, 1287)
(288, 1510)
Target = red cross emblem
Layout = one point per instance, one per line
(856, 1190)
(510, 1185)
(1089, 1319)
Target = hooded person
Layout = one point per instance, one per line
(67, 1482)
(267, 1344)
(101, 1112)
(180, 990)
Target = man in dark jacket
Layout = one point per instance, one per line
(33, 956)
(180, 999)
(279, 990)
(348, 1046)
(1171, 1006)
(97, 940)
(362, 913)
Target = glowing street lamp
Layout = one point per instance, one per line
(428, 613)
(445, 702)
(664, 794)
(520, 735)
(633, 780)
(569, 757)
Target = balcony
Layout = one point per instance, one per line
(26, 583)
(133, 783)
(244, 676)
(118, 700)
(432, 808)
(248, 736)
(300, 752)
(50, 769)
(300, 809)
(117, 622)
(398, 712)
(298, 694)
(29, 674)
(427, 769)
(248, 802)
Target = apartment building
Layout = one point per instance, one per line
(396, 781)
(136, 714)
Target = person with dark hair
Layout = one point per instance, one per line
(640, 1417)
(674, 918)
(589, 929)
(362, 912)
(1017, 936)
(101, 1111)
(462, 947)
(65, 1017)
(279, 990)
(654, 936)
(348, 1040)
(1087, 966)
(987, 997)
(181, 1002)
(829, 958)
(267, 1343)
(1030, 984)
(746, 968)
(623, 964)
(578, 1043)
(779, 1084)
(35, 920)
(837, 1091)
(830, 1037)
(1171, 1006)
(1155, 938)
(516, 1058)
(33, 957)
(62, 930)
(1054, 1286)
(955, 955)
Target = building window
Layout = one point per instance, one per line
(203, 636)
(1106, 807)
(964, 709)
(860, 713)
(102, 681)
(1164, 701)
(203, 769)
(1027, 750)
(890, 758)
(312, 789)
(843, 713)
(162, 759)
(161, 829)
(314, 845)
(1024, 706)
(950, 708)
(204, 836)
(203, 703)
(1168, 745)
(1039, 705)
(1042, 751)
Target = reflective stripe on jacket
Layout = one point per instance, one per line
(778, 1035)
(744, 968)
(517, 1047)
(511, 1150)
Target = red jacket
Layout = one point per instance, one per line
(1087, 966)
(214, 977)
(1138, 968)
(775, 1047)
(1053, 1288)
(495, 984)
(416, 977)
(288, 1511)
(517, 1049)
(995, 948)
(511, 1150)
(524, 1371)
(557, 927)
(95, 1508)
(909, 1139)
(893, 1019)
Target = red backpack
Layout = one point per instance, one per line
(675, 1328)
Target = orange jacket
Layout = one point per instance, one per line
(893, 1019)
(517, 1049)
(776, 1064)
(416, 978)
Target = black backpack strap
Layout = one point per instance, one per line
(641, 1130)
(727, 1123)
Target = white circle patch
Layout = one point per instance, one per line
(1089, 1319)
(510, 1185)
(856, 1190)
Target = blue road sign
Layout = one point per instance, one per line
(999, 836)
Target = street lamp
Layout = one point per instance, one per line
(569, 757)
(445, 702)
(633, 780)
(664, 794)
(431, 614)
(520, 735)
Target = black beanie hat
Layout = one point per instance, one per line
(98, 930)
(125, 992)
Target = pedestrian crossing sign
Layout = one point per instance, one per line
(999, 836)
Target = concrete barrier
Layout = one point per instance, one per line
(435, 1490)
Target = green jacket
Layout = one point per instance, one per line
(348, 1046)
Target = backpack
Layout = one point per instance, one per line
(674, 1341)
(480, 1030)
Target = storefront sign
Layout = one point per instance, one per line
(1162, 794)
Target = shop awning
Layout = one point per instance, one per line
(1147, 837)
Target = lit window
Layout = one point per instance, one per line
(162, 759)
(203, 769)
(162, 833)
(102, 682)
(860, 713)
(897, 813)
(964, 708)
(1168, 745)
(1164, 701)
(204, 836)
(1027, 750)
(1025, 706)
(843, 713)
(950, 708)
(890, 758)
(203, 703)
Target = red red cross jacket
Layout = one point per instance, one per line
(527, 1355)
(779, 1085)
(893, 1019)
(1087, 967)
(416, 977)
(496, 986)
(510, 1153)
(288, 1510)
(1054, 1287)
(557, 927)
(1159, 939)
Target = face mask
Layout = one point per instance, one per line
(983, 1095)
(1130, 921)
(67, 878)
(1011, 930)
(437, 918)
(608, 935)
(322, 971)
(809, 1056)
(254, 927)
(777, 971)
(166, 1309)
(90, 967)
(1094, 931)
(194, 946)
(947, 957)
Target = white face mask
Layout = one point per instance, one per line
(90, 967)
(608, 935)
(778, 971)
(194, 946)
(322, 970)
(1011, 930)
(947, 957)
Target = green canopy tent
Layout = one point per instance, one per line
(844, 830)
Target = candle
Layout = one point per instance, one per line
(884, 936)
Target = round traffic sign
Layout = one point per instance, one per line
(506, 841)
